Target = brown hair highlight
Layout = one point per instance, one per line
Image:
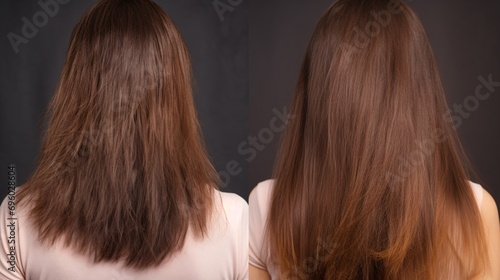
(123, 174)
(370, 180)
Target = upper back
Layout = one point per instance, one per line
(221, 255)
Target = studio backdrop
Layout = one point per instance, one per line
(465, 37)
(35, 36)
(246, 58)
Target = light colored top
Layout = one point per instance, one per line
(223, 254)
(259, 203)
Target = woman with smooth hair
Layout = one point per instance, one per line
(124, 188)
(370, 181)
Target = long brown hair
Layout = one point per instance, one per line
(370, 181)
(123, 173)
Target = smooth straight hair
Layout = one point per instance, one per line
(123, 174)
(370, 177)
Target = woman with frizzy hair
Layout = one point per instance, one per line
(124, 188)
(370, 181)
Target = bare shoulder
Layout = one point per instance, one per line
(491, 223)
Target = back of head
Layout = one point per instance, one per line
(369, 178)
(122, 172)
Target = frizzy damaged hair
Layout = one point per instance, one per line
(371, 180)
(123, 172)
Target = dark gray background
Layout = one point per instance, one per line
(219, 51)
(229, 63)
(464, 34)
